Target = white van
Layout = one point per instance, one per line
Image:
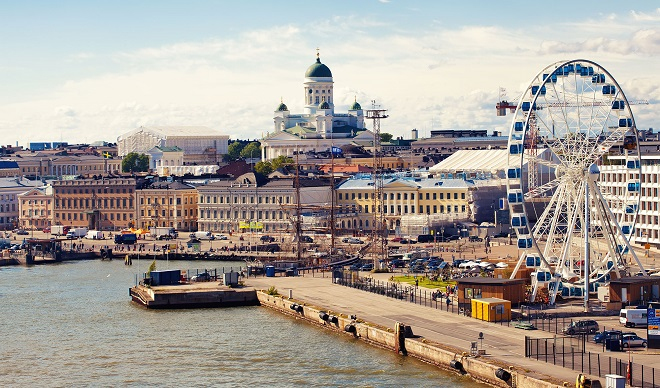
(633, 317)
(202, 235)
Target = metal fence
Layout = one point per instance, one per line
(568, 352)
(417, 295)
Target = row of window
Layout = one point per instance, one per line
(402, 196)
(229, 226)
(163, 213)
(164, 201)
(4, 207)
(7, 197)
(261, 214)
(87, 190)
(88, 203)
(35, 212)
(75, 216)
(403, 209)
(244, 199)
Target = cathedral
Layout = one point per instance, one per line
(319, 128)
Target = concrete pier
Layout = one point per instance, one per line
(192, 295)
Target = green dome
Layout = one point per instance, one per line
(355, 106)
(318, 70)
(282, 107)
(324, 105)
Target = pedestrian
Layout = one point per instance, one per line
(448, 301)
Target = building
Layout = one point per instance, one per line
(319, 127)
(252, 203)
(172, 204)
(57, 165)
(160, 157)
(9, 168)
(615, 177)
(10, 189)
(412, 205)
(200, 145)
(36, 208)
(99, 204)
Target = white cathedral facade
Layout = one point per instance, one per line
(319, 128)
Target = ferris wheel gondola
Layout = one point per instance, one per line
(572, 229)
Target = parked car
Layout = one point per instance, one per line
(266, 238)
(22, 232)
(306, 239)
(396, 239)
(221, 237)
(46, 229)
(603, 336)
(633, 341)
(407, 241)
(476, 239)
(585, 326)
(354, 240)
(367, 267)
(202, 277)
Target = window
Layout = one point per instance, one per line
(455, 195)
(427, 196)
(435, 196)
(462, 195)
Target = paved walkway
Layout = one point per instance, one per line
(502, 343)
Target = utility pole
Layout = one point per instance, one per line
(378, 227)
(298, 223)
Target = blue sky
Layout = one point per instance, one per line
(82, 71)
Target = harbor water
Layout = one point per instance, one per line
(72, 324)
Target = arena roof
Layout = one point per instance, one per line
(474, 160)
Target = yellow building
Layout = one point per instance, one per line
(172, 204)
(35, 208)
(99, 204)
(411, 205)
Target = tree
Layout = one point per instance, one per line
(252, 150)
(385, 137)
(134, 162)
(234, 151)
(263, 168)
(281, 161)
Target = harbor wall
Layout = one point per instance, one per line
(476, 367)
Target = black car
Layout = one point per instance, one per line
(605, 335)
(22, 232)
(267, 238)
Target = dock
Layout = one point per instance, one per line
(192, 295)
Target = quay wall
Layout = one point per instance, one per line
(476, 367)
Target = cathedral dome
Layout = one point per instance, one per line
(318, 70)
(355, 106)
(324, 105)
(282, 107)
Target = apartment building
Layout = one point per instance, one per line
(172, 204)
(99, 204)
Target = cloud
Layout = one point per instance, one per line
(431, 78)
(646, 17)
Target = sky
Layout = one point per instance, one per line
(85, 71)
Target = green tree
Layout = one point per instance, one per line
(134, 162)
(263, 168)
(234, 151)
(385, 137)
(252, 150)
(281, 161)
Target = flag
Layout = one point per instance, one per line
(107, 155)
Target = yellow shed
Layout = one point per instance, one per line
(491, 309)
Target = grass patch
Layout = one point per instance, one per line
(424, 281)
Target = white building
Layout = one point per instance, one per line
(616, 176)
(10, 189)
(319, 127)
(200, 145)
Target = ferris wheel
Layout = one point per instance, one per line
(573, 227)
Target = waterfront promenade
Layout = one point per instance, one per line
(501, 343)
